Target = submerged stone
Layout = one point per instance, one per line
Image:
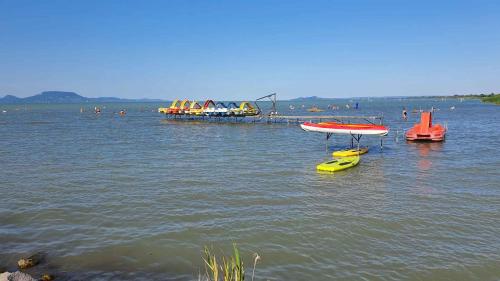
(30, 261)
(47, 277)
(16, 276)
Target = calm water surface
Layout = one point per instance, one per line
(137, 197)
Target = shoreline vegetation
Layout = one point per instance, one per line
(487, 98)
(493, 98)
(217, 268)
(229, 268)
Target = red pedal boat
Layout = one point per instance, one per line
(425, 131)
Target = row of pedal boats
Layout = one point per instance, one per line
(209, 108)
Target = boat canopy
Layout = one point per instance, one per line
(175, 104)
(247, 109)
(220, 105)
(246, 106)
(172, 109)
(185, 104)
(232, 105)
(195, 105)
(209, 104)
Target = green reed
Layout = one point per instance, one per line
(227, 268)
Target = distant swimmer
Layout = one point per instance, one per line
(122, 112)
(405, 114)
(97, 110)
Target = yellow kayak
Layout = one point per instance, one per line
(350, 152)
(338, 164)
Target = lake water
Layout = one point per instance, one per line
(138, 197)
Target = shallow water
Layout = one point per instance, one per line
(137, 197)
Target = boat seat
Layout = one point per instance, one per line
(425, 123)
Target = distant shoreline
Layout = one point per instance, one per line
(491, 98)
(59, 97)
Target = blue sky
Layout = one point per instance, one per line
(246, 49)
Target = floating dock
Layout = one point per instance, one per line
(276, 118)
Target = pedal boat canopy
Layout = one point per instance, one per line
(221, 109)
(172, 109)
(195, 108)
(184, 107)
(234, 109)
(247, 109)
(209, 108)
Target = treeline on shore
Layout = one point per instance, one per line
(491, 98)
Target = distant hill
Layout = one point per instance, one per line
(65, 97)
(311, 98)
(10, 99)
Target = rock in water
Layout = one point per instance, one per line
(4, 276)
(30, 261)
(16, 276)
(47, 277)
(24, 263)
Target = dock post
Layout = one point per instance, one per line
(328, 135)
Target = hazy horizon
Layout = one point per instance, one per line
(243, 50)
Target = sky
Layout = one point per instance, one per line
(246, 49)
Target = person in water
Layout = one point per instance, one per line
(405, 114)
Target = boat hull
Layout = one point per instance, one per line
(338, 128)
(437, 135)
(425, 130)
(350, 152)
(338, 164)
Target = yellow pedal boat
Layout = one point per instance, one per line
(350, 152)
(338, 164)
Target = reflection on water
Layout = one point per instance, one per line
(427, 152)
(424, 150)
(110, 197)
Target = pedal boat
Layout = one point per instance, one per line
(315, 109)
(172, 109)
(221, 109)
(425, 130)
(209, 108)
(247, 109)
(184, 107)
(195, 109)
(234, 110)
